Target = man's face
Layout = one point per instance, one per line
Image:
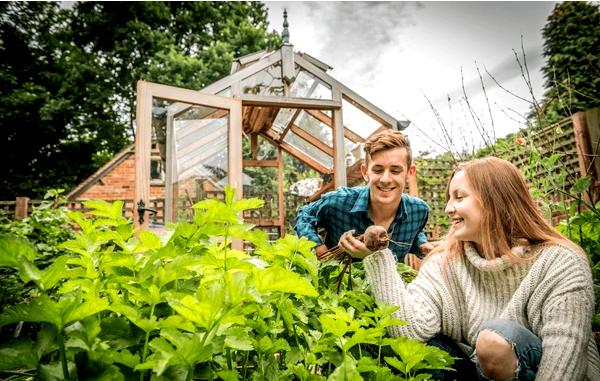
(387, 173)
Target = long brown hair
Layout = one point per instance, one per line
(509, 215)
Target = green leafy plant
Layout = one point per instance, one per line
(46, 227)
(130, 305)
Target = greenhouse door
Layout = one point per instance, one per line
(188, 147)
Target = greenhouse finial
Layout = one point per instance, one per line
(286, 33)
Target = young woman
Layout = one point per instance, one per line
(504, 283)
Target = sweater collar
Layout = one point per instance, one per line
(496, 264)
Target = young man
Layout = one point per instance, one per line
(347, 212)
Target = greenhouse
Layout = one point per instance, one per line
(272, 102)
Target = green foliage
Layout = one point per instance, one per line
(68, 76)
(129, 305)
(582, 226)
(44, 229)
(572, 52)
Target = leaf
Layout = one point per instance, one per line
(54, 273)
(277, 279)
(346, 371)
(362, 336)
(228, 375)
(101, 208)
(336, 327)
(41, 309)
(134, 316)
(18, 354)
(89, 307)
(392, 361)
(415, 355)
(582, 184)
(237, 338)
(51, 372)
(46, 341)
(148, 241)
(12, 248)
(177, 321)
(201, 312)
(124, 357)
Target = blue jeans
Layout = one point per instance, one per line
(526, 345)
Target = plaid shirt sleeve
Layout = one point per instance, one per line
(421, 214)
(419, 240)
(308, 220)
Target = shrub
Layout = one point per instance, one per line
(187, 306)
(46, 227)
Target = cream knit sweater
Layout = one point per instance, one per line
(551, 295)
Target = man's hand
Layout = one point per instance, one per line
(412, 261)
(426, 248)
(353, 246)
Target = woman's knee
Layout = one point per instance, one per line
(495, 356)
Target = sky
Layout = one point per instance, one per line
(412, 60)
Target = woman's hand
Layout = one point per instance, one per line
(354, 247)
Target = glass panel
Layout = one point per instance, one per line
(307, 85)
(197, 158)
(265, 150)
(266, 82)
(283, 118)
(315, 127)
(357, 121)
(307, 148)
(353, 151)
(158, 157)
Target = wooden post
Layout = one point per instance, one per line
(593, 125)
(339, 154)
(280, 195)
(413, 188)
(21, 205)
(585, 152)
(143, 146)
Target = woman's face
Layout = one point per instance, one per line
(464, 210)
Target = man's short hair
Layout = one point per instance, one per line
(385, 140)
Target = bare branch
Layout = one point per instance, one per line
(445, 133)
(476, 120)
(487, 101)
(434, 141)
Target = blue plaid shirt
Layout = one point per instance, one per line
(347, 208)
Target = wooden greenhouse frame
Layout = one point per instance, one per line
(268, 96)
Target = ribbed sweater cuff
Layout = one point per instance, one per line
(380, 267)
(379, 260)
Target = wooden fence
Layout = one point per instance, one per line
(574, 139)
(23, 206)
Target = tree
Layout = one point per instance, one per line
(68, 76)
(572, 52)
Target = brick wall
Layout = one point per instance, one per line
(118, 184)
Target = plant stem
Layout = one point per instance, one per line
(246, 364)
(225, 247)
(228, 354)
(145, 350)
(190, 375)
(63, 354)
